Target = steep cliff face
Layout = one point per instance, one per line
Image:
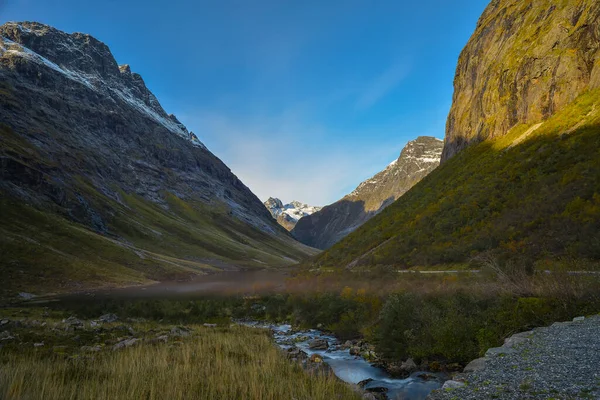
(526, 61)
(288, 215)
(84, 139)
(327, 226)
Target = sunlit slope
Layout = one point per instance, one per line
(529, 196)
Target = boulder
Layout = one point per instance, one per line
(72, 322)
(450, 385)
(295, 354)
(475, 365)
(364, 382)
(40, 344)
(409, 365)
(26, 296)
(108, 318)
(517, 338)
(318, 344)
(354, 351)
(125, 343)
(180, 331)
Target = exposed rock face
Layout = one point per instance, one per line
(80, 133)
(327, 226)
(288, 215)
(525, 61)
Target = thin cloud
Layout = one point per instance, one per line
(383, 84)
(289, 158)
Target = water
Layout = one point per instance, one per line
(354, 369)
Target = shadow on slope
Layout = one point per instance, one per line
(532, 195)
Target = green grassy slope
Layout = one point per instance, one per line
(530, 196)
(43, 250)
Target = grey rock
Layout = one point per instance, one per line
(5, 335)
(318, 344)
(40, 344)
(73, 322)
(125, 343)
(499, 351)
(449, 385)
(180, 331)
(26, 296)
(476, 365)
(296, 354)
(578, 319)
(107, 318)
(354, 351)
(209, 325)
(364, 382)
(409, 365)
(517, 339)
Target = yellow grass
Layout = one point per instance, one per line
(231, 363)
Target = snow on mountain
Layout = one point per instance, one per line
(289, 214)
(115, 87)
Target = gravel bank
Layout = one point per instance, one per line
(556, 362)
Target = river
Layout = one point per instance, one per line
(354, 369)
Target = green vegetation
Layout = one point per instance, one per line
(139, 241)
(526, 199)
(441, 319)
(167, 361)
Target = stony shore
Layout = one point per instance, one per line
(556, 362)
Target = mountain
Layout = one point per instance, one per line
(100, 186)
(520, 178)
(327, 226)
(287, 215)
(525, 62)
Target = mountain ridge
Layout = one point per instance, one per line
(327, 226)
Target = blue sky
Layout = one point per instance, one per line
(303, 100)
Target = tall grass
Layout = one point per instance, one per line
(230, 363)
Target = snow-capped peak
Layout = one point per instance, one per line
(289, 214)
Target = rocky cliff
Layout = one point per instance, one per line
(526, 61)
(327, 226)
(288, 215)
(84, 139)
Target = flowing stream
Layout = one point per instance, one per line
(354, 369)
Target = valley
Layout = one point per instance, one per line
(134, 263)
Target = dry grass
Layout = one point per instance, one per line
(229, 363)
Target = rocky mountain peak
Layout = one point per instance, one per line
(79, 59)
(288, 215)
(324, 228)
